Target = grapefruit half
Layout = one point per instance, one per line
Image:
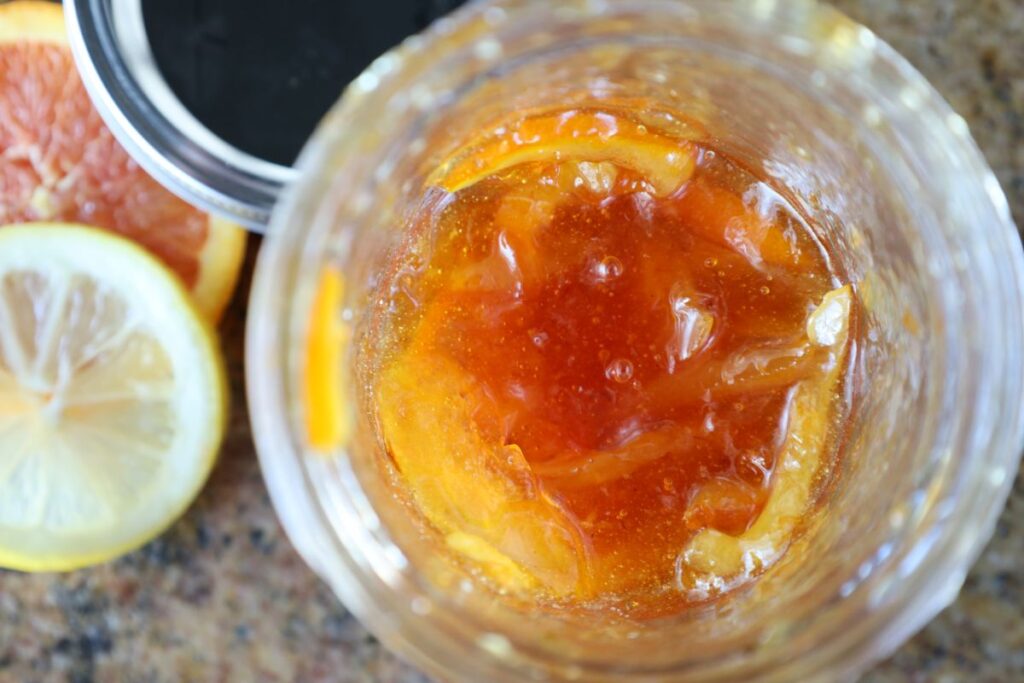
(59, 163)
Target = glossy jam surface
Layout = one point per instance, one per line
(598, 345)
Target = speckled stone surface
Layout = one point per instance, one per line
(222, 597)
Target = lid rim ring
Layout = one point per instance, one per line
(109, 44)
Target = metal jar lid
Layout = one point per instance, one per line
(109, 43)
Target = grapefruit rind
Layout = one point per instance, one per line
(32, 21)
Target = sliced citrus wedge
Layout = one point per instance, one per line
(799, 466)
(580, 135)
(112, 397)
(476, 490)
(59, 162)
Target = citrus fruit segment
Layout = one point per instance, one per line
(799, 465)
(112, 397)
(580, 135)
(58, 162)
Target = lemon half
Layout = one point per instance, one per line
(112, 397)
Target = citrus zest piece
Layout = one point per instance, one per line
(112, 397)
(526, 210)
(578, 135)
(799, 465)
(326, 424)
(723, 504)
(596, 468)
(495, 564)
(756, 371)
(722, 217)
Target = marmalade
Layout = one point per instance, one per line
(612, 362)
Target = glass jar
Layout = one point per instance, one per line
(858, 140)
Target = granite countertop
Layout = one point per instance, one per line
(223, 597)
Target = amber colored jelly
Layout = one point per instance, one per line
(586, 367)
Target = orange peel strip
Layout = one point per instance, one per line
(326, 425)
(476, 490)
(799, 465)
(579, 135)
(721, 217)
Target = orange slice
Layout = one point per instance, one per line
(477, 491)
(58, 162)
(577, 135)
(800, 463)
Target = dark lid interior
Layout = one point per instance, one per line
(261, 73)
(215, 98)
